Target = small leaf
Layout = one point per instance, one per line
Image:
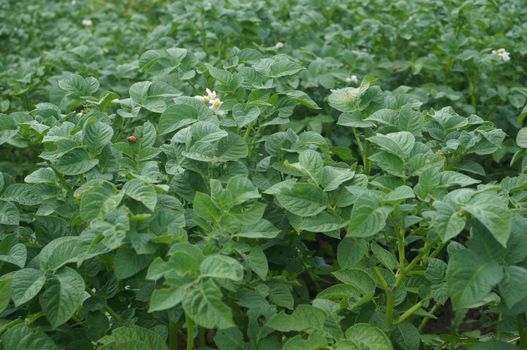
(368, 337)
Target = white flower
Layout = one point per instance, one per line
(352, 79)
(210, 98)
(502, 54)
(87, 22)
(279, 45)
(215, 104)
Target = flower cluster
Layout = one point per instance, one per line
(87, 22)
(503, 54)
(352, 79)
(210, 98)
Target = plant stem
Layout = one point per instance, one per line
(172, 335)
(522, 330)
(190, 332)
(425, 320)
(107, 308)
(409, 312)
(400, 247)
(363, 151)
(388, 316)
(202, 337)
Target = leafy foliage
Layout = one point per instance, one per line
(172, 168)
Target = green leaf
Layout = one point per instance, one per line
(127, 263)
(368, 337)
(203, 305)
(221, 266)
(167, 298)
(350, 251)
(281, 295)
(368, 216)
(23, 194)
(96, 135)
(399, 143)
(27, 283)
(305, 317)
(257, 261)
(470, 278)
(6, 291)
(141, 192)
(62, 297)
(230, 339)
(334, 177)
(512, 287)
(399, 194)
(493, 213)
(9, 214)
(133, 338)
(21, 337)
(447, 221)
(301, 98)
(312, 165)
(348, 99)
(407, 336)
(384, 256)
(12, 252)
(76, 162)
(521, 138)
(262, 229)
(99, 201)
(303, 199)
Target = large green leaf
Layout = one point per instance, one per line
(203, 305)
(512, 287)
(6, 291)
(368, 216)
(470, 278)
(399, 143)
(369, 337)
(221, 266)
(96, 135)
(26, 285)
(447, 221)
(63, 296)
(76, 162)
(99, 201)
(144, 193)
(133, 338)
(303, 199)
(305, 317)
(493, 213)
(21, 337)
(9, 214)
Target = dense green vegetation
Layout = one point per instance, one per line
(263, 174)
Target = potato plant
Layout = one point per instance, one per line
(263, 175)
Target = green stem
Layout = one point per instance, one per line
(409, 312)
(388, 316)
(400, 247)
(172, 335)
(425, 320)
(363, 151)
(10, 325)
(190, 332)
(107, 308)
(522, 330)
(202, 337)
